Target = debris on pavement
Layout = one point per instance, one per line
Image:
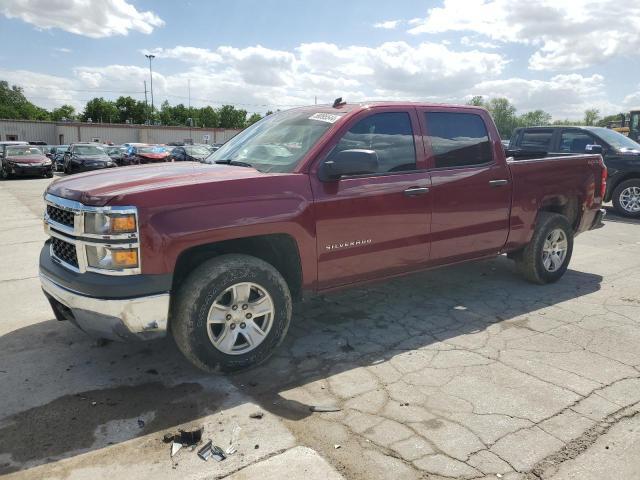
(256, 447)
(211, 451)
(140, 423)
(257, 415)
(152, 371)
(231, 450)
(324, 408)
(183, 437)
(175, 447)
(337, 446)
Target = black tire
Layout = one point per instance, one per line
(4, 174)
(198, 292)
(615, 198)
(530, 262)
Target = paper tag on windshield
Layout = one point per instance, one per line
(325, 117)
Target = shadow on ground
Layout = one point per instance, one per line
(82, 388)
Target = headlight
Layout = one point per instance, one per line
(108, 258)
(109, 223)
(46, 162)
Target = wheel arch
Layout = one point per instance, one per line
(279, 250)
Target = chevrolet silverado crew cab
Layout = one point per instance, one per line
(621, 156)
(307, 200)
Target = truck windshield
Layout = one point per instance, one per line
(616, 140)
(277, 142)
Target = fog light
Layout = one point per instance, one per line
(107, 258)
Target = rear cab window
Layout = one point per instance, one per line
(539, 140)
(458, 139)
(575, 141)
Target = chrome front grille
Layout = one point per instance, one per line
(61, 216)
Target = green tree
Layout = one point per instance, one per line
(504, 114)
(13, 104)
(255, 117)
(591, 116)
(64, 112)
(100, 110)
(131, 109)
(230, 117)
(477, 101)
(535, 118)
(209, 117)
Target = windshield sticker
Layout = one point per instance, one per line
(325, 117)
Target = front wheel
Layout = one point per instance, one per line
(626, 198)
(231, 313)
(547, 256)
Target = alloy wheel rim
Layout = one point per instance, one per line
(630, 199)
(554, 251)
(240, 318)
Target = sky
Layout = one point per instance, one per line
(561, 56)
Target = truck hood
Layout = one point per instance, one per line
(99, 187)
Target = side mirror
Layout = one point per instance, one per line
(594, 149)
(349, 162)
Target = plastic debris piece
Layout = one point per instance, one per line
(459, 307)
(336, 446)
(217, 454)
(175, 447)
(257, 415)
(185, 438)
(206, 452)
(324, 408)
(235, 435)
(231, 450)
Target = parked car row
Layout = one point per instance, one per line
(23, 159)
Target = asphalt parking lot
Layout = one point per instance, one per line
(467, 372)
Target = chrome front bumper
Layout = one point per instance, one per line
(141, 318)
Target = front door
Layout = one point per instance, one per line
(373, 225)
(471, 191)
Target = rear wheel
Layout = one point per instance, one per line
(4, 174)
(231, 313)
(626, 198)
(546, 258)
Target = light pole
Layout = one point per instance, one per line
(151, 57)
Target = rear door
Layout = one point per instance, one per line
(470, 185)
(373, 225)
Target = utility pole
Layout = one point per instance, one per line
(190, 116)
(316, 100)
(146, 105)
(151, 57)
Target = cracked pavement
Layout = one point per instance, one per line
(465, 372)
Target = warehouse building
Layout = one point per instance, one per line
(62, 133)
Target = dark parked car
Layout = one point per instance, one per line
(22, 160)
(83, 157)
(117, 154)
(56, 154)
(190, 153)
(621, 156)
(141, 154)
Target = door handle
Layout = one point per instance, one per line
(415, 191)
(498, 183)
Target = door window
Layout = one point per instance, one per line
(458, 139)
(575, 141)
(389, 134)
(538, 140)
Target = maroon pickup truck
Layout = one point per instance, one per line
(306, 200)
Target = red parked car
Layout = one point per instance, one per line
(306, 200)
(141, 154)
(24, 160)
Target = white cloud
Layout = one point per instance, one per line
(567, 35)
(62, 50)
(90, 18)
(564, 96)
(388, 24)
(474, 42)
(259, 79)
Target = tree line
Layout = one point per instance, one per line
(14, 105)
(505, 115)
